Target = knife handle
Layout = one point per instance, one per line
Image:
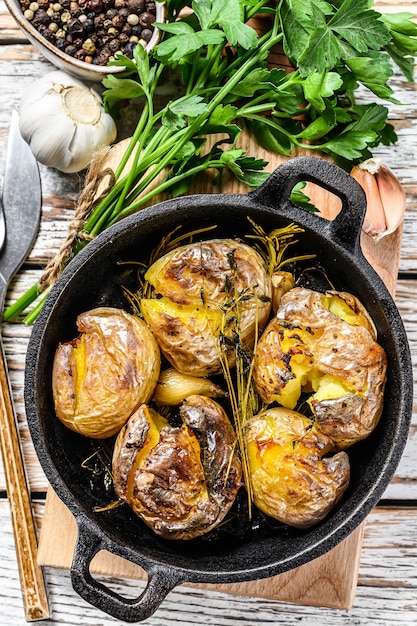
(31, 576)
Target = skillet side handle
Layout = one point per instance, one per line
(345, 229)
(160, 582)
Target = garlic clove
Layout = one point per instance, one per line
(64, 122)
(281, 283)
(173, 387)
(385, 196)
(393, 198)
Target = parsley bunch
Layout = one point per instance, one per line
(337, 49)
(334, 47)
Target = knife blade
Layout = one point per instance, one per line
(20, 211)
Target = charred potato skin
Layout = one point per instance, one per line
(99, 378)
(187, 482)
(197, 280)
(292, 481)
(305, 332)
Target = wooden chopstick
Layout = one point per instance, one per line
(35, 599)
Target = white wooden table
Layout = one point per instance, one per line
(387, 586)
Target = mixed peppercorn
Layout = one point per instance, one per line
(93, 30)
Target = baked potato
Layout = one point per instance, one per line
(181, 481)
(324, 345)
(291, 478)
(205, 294)
(103, 375)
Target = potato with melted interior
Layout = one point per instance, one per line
(324, 345)
(205, 293)
(181, 481)
(103, 375)
(292, 481)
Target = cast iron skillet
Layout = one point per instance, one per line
(90, 280)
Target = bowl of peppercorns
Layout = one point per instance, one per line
(82, 36)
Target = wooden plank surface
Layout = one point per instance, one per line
(386, 594)
(387, 585)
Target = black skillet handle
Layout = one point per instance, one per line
(161, 581)
(345, 229)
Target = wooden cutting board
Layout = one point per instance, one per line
(329, 581)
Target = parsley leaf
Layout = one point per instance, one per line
(359, 26)
(403, 46)
(299, 19)
(373, 72)
(118, 89)
(352, 29)
(246, 169)
(229, 15)
(185, 41)
(358, 135)
(321, 85)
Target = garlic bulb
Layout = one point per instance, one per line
(385, 198)
(64, 122)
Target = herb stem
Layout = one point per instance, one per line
(167, 183)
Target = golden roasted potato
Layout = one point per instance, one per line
(292, 481)
(206, 292)
(101, 377)
(181, 481)
(324, 345)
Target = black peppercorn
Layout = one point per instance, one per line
(146, 20)
(146, 34)
(114, 45)
(74, 9)
(61, 44)
(96, 5)
(118, 21)
(70, 50)
(49, 35)
(136, 6)
(75, 27)
(137, 31)
(88, 26)
(103, 57)
(99, 21)
(129, 48)
(41, 17)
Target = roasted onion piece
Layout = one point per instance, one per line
(181, 481)
(103, 375)
(206, 294)
(324, 345)
(174, 387)
(292, 480)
